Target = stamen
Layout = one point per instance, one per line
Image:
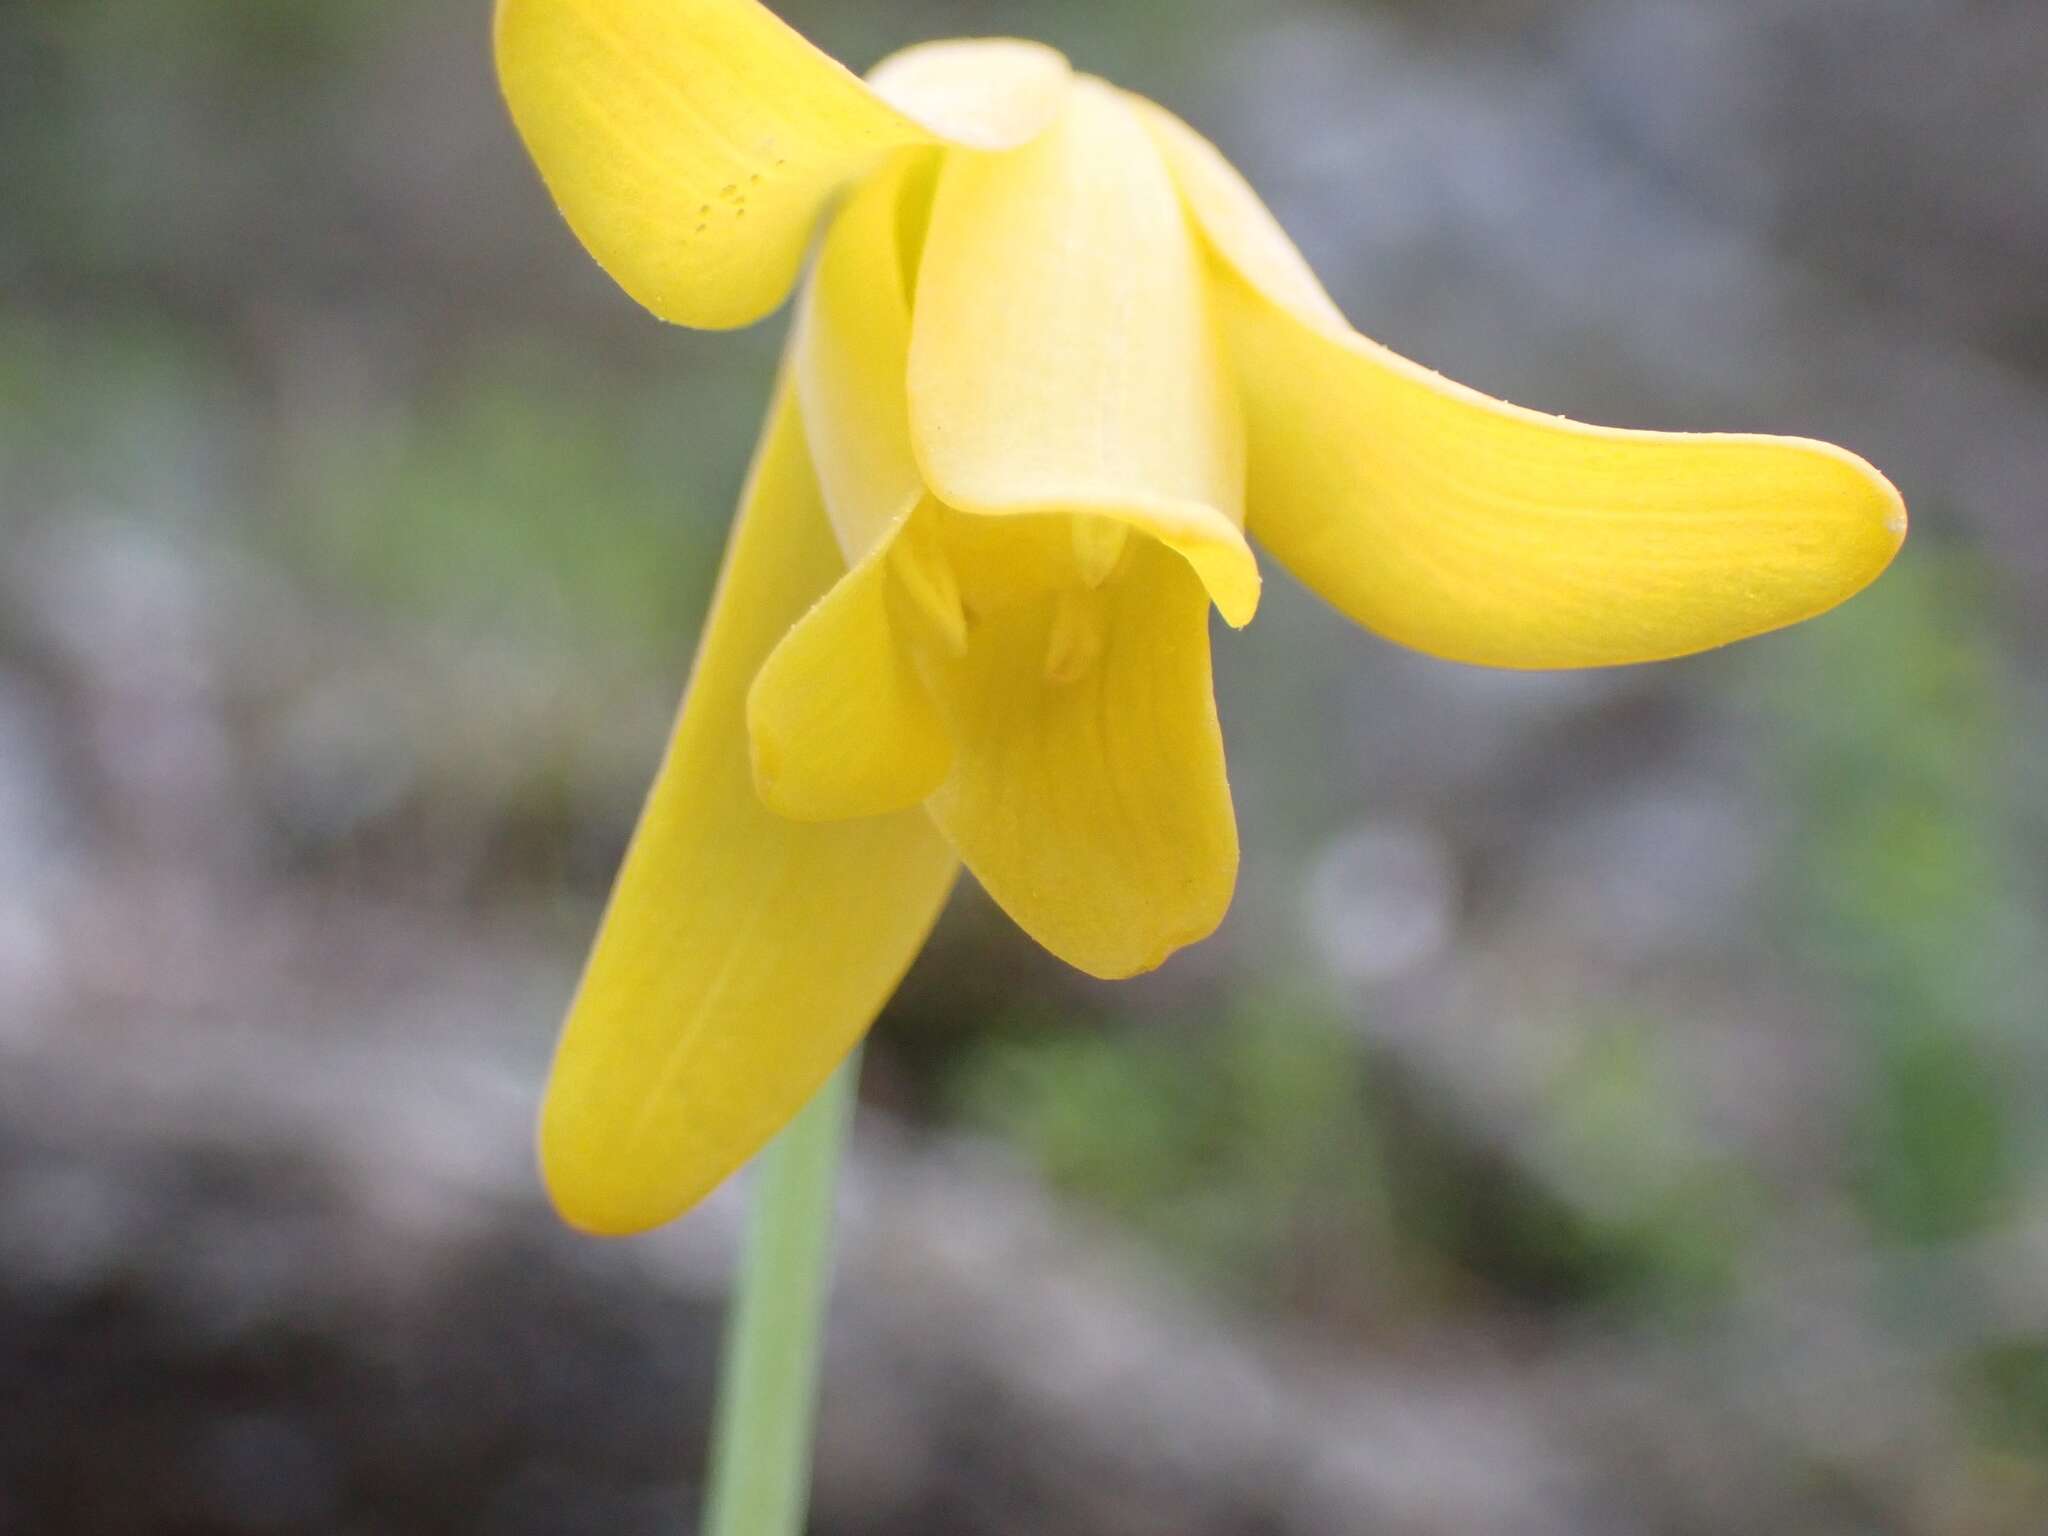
(927, 579)
(1098, 547)
(1075, 643)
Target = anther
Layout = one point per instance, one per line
(1098, 547)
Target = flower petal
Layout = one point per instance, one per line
(691, 143)
(979, 93)
(1089, 795)
(1062, 354)
(1484, 532)
(840, 722)
(743, 954)
(852, 349)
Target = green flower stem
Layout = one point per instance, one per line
(768, 1381)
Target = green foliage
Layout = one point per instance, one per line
(1669, 1213)
(1242, 1143)
(254, 40)
(117, 419)
(1895, 730)
(1265, 1148)
(531, 501)
(2005, 1391)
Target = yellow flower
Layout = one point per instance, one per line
(1053, 361)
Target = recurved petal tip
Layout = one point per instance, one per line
(689, 143)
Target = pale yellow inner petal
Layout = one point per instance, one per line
(1063, 357)
(852, 351)
(980, 93)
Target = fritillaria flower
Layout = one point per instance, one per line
(1054, 367)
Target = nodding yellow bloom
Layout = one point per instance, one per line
(1052, 363)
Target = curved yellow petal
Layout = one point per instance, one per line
(1484, 532)
(1089, 795)
(839, 721)
(742, 954)
(691, 143)
(979, 93)
(851, 355)
(1062, 353)
(851, 352)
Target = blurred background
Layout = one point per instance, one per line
(1614, 1105)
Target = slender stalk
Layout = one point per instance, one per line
(768, 1381)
